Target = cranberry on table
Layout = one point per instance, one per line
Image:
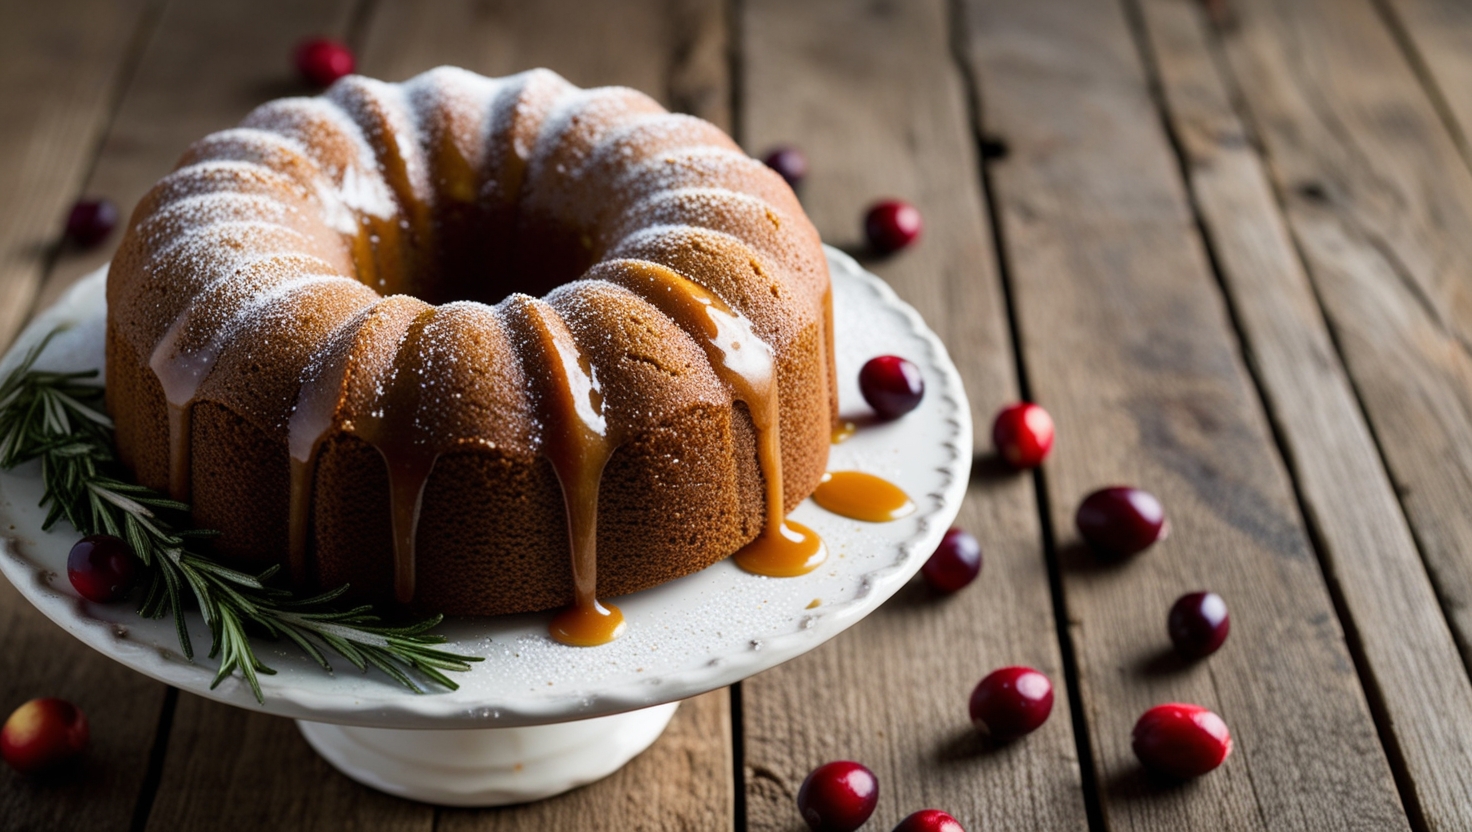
(838, 796)
(956, 562)
(90, 221)
(1121, 521)
(320, 61)
(930, 820)
(43, 733)
(1023, 435)
(1198, 624)
(101, 568)
(1181, 741)
(788, 161)
(1011, 702)
(891, 385)
(891, 225)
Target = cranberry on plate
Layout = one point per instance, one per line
(1023, 435)
(90, 221)
(320, 61)
(1198, 624)
(956, 562)
(892, 224)
(1120, 520)
(1011, 702)
(788, 161)
(893, 386)
(838, 796)
(43, 733)
(101, 568)
(1181, 741)
(929, 820)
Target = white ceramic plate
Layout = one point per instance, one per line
(686, 637)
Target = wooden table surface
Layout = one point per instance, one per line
(1228, 245)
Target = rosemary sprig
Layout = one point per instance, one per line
(59, 418)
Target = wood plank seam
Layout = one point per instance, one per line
(987, 149)
(1373, 694)
(1424, 74)
(156, 753)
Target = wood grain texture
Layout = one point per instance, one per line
(60, 66)
(1127, 341)
(683, 782)
(870, 92)
(674, 50)
(1410, 661)
(1437, 36)
(208, 64)
(1380, 203)
(230, 769)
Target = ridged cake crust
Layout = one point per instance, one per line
(298, 320)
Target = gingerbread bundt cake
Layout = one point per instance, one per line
(460, 341)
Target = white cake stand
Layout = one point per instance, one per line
(537, 718)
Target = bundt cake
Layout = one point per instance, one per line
(474, 345)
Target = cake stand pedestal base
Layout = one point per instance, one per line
(488, 766)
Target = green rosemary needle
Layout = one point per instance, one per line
(59, 418)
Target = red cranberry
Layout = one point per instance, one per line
(43, 733)
(101, 568)
(891, 225)
(956, 562)
(1181, 741)
(891, 385)
(1121, 521)
(1023, 435)
(90, 221)
(1198, 624)
(930, 820)
(1011, 702)
(320, 61)
(788, 161)
(838, 796)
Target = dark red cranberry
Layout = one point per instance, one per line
(1181, 741)
(43, 733)
(1011, 702)
(838, 796)
(956, 562)
(891, 385)
(891, 225)
(1023, 435)
(101, 568)
(930, 820)
(1121, 521)
(90, 221)
(320, 61)
(788, 161)
(1198, 624)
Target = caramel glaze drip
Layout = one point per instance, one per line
(746, 365)
(861, 496)
(844, 431)
(180, 375)
(578, 443)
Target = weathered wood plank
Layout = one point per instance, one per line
(871, 93)
(1410, 661)
(683, 782)
(208, 64)
(1437, 34)
(1127, 341)
(676, 53)
(1381, 206)
(232, 769)
(60, 67)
